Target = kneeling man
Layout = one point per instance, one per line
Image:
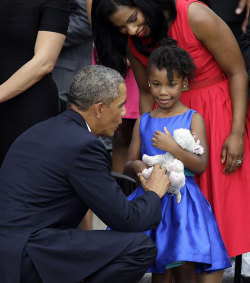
(56, 171)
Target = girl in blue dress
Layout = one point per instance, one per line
(188, 238)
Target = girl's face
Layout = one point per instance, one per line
(130, 21)
(164, 92)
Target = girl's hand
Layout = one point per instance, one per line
(164, 141)
(139, 166)
(232, 152)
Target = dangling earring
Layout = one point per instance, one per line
(185, 86)
(149, 84)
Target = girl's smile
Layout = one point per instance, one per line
(164, 101)
(130, 21)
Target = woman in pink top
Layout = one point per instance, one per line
(123, 134)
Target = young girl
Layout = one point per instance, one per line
(188, 237)
(129, 28)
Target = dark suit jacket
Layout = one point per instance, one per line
(51, 175)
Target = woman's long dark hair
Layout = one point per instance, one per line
(111, 45)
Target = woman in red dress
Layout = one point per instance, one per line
(219, 91)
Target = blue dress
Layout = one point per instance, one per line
(188, 230)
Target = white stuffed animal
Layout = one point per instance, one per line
(175, 168)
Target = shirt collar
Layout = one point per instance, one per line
(88, 126)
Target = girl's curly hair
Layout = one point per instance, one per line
(171, 57)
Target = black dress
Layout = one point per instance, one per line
(20, 21)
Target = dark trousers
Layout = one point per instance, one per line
(128, 267)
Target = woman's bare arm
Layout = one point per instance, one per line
(219, 40)
(47, 48)
(146, 102)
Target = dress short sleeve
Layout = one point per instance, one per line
(54, 16)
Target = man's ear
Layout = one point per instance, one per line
(98, 109)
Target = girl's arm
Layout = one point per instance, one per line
(193, 162)
(47, 48)
(146, 102)
(219, 40)
(134, 164)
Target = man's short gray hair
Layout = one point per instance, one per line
(94, 84)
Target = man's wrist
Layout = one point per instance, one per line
(155, 192)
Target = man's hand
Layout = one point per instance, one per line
(158, 181)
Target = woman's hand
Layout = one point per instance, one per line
(164, 141)
(232, 153)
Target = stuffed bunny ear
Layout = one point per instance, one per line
(198, 149)
(147, 159)
(147, 172)
(152, 160)
(178, 197)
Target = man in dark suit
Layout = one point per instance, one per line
(55, 172)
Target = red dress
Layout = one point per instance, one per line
(229, 195)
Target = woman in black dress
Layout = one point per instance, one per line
(32, 34)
